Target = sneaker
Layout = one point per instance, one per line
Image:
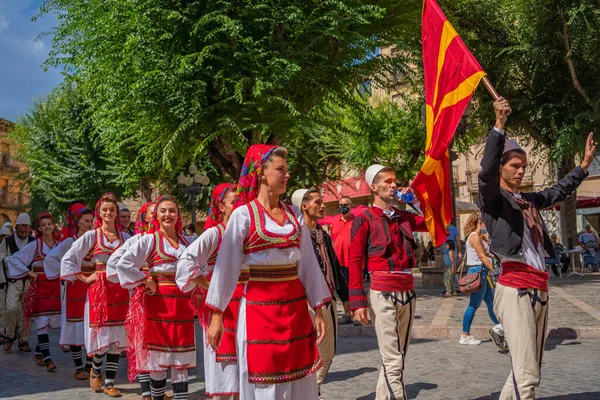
(345, 320)
(497, 338)
(469, 340)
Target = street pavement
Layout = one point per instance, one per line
(437, 367)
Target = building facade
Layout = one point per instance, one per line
(14, 196)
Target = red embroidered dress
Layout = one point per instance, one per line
(76, 292)
(280, 337)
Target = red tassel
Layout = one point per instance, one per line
(135, 326)
(29, 304)
(98, 293)
(198, 304)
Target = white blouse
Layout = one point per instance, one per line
(72, 261)
(231, 259)
(135, 258)
(192, 262)
(115, 257)
(52, 260)
(18, 263)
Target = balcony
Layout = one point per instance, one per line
(14, 200)
(7, 163)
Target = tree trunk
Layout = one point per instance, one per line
(146, 191)
(568, 214)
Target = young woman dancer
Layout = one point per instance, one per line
(276, 339)
(79, 220)
(194, 271)
(41, 302)
(106, 303)
(160, 324)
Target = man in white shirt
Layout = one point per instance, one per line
(15, 288)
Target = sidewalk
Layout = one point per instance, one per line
(574, 312)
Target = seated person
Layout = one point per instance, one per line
(564, 259)
(589, 238)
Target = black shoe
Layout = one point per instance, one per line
(498, 339)
(345, 320)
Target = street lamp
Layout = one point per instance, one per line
(193, 183)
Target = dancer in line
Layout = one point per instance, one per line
(142, 226)
(311, 203)
(276, 340)
(160, 324)
(79, 220)
(519, 237)
(383, 235)
(194, 272)
(41, 302)
(106, 303)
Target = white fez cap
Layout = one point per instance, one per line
(371, 172)
(7, 224)
(123, 207)
(24, 219)
(510, 145)
(298, 196)
(5, 231)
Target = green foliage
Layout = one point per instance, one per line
(543, 57)
(65, 160)
(170, 80)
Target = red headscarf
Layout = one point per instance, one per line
(249, 184)
(72, 219)
(155, 225)
(141, 226)
(107, 197)
(215, 216)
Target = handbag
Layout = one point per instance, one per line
(470, 283)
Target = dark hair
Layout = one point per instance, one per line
(377, 176)
(191, 228)
(86, 212)
(305, 198)
(345, 197)
(510, 154)
(450, 244)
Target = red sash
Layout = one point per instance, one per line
(108, 301)
(522, 276)
(280, 334)
(384, 281)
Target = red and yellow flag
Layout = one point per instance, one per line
(451, 77)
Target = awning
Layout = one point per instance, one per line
(465, 207)
(582, 202)
(329, 219)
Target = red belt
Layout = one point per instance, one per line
(384, 281)
(522, 276)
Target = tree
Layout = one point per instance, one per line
(543, 57)
(57, 142)
(168, 80)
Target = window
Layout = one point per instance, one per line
(595, 167)
(365, 88)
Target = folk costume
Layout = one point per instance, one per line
(276, 340)
(106, 303)
(41, 302)
(520, 238)
(336, 282)
(141, 228)
(160, 326)
(385, 239)
(221, 373)
(15, 290)
(74, 293)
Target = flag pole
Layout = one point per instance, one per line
(488, 85)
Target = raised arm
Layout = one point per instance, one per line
(489, 176)
(52, 260)
(192, 263)
(229, 261)
(567, 185)
(18, 263)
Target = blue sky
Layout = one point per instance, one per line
(22, 78)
